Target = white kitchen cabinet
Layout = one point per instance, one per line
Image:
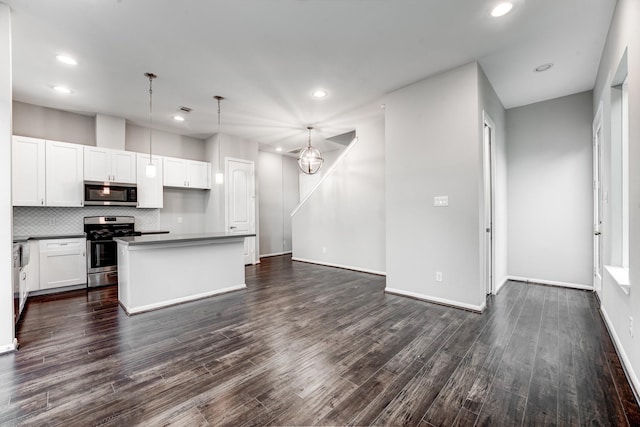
(62, 263)
(28, 171)
(64, 174)
(186, 173)
(103, 164)
(149, 189)
(33, 268)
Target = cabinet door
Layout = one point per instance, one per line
(123, 166)
(33, 268)
(175, 172)
(28, 171)
(97, 164)
(64, 172)
(149, 189)
(62, 263)
(199, 174)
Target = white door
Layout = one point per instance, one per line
(97, 164)
(597, 203)
(64, 174)
(123, 167)
(487, 146)
(241, 203)
(28, 171)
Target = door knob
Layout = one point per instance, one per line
(597, 233)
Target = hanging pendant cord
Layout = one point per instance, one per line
(150, 76)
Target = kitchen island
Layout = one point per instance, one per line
(159, 270)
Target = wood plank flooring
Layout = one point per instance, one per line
(313, 345)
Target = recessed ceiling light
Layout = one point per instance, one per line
(501, 9)
(66, 60)
(62, 89)
(278, 148)
(543, 67)
(178, 118)
(320, 93)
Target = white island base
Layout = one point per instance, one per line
(158, 271)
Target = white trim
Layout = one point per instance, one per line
(346, 267)
(326, 175)
(9, 347)
(155, 306)
(477, 308)
(499, 287)
(626, 363)
(487, 121)
(620, 275)
(273, 254)
(552, 283)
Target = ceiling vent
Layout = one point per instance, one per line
(184, 109)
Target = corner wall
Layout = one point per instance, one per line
(550, 196)
(278, 188)
(617, 307)
(7, 331)
(433, 148)
(491, 104)
(342, 223)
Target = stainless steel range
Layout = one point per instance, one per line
(102, 250)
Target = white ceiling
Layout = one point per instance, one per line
(267, 56)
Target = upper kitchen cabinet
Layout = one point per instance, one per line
(103, 164)
(149, 189)
(186, 173)
(64, 174)
(28, 171)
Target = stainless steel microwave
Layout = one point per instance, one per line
(98, 193)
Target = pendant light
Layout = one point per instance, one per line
(219, 174)
(151, 168)
(310, 160)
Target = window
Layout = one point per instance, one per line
(619, 176)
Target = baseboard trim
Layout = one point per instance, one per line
(501, 284)
(9, 347)
(551, 282)
(346, 267)
(442, 301)
(275, 254)
(626, 363)
(155, 306)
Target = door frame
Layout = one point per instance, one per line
(488, 213)
(251, 201)
(597, 126)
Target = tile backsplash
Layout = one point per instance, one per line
(30, 221)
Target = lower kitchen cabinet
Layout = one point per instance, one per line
(62, 263)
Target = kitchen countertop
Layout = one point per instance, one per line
(154, 239)
(49, 236)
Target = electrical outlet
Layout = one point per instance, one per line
(631, 326)
(438, 276)
(324, 250)
(179, 220)
(441, 201)
(52, 222)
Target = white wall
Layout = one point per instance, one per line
(6, 221)
(48, 123)
(490, 103)
(345, 216)
(278, 190)
(550, 196)
(231, 147)
(433, 148)
(618, 307)
(164, 143)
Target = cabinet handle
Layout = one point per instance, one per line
(42, 202)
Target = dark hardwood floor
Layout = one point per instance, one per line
(307, 344)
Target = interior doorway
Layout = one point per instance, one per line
(597, 202)
(240, 203)
(488, 157)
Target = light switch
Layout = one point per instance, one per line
(441, 201)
